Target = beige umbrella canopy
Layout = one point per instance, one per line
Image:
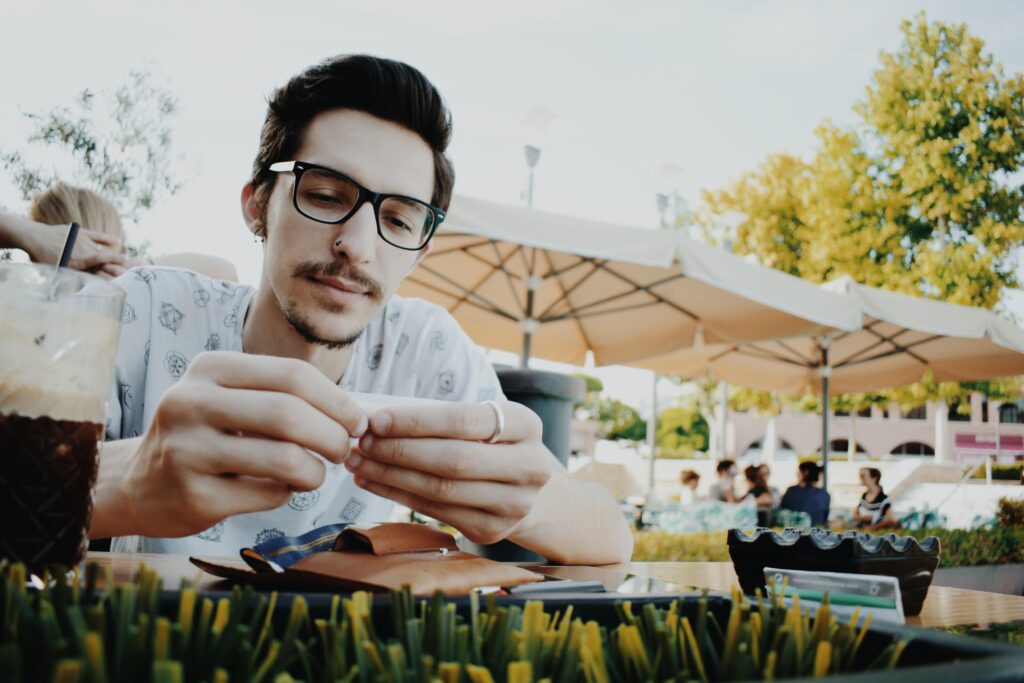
(553, 286)
(902, 337)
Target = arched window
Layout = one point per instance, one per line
(916, 413)
(913, 448)
(956, 416)
(1010, 413)
(842, 446)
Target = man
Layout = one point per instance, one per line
(216, 449)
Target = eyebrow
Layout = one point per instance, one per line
(355, 177)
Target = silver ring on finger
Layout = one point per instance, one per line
(500, 416)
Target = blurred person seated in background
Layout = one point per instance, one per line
(688, 495)
(875, 508)
(805, 496)
(723, 490)
(100, 246)
(757, 477)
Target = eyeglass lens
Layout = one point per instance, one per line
(325, 196)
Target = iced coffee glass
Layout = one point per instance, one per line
(58, 340)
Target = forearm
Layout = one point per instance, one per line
(15, 231)
(887, 522)
(576, 522)
(113, 511)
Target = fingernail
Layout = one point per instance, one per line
(366, 442)
(364, 424)
(353, 461)
(381, 423)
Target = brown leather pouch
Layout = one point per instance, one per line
(381, 557)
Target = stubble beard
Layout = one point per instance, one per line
(304, 328)
(302, 324)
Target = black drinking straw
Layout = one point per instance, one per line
(65, 258)
(69, 246)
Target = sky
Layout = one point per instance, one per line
(708, 87)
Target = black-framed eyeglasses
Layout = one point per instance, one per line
(328, 196)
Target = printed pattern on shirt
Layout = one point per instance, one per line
(304, 500)
(411, 348)
(352, 509)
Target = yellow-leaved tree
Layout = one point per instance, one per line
(918, 197)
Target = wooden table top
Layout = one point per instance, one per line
(944, 606)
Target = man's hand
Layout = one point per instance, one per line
(230, 437)
(432, 459)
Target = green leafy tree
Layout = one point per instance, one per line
(682, 431)
(917, 197)
(618, 420)
(119, 143)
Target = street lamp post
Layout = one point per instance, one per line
(532, 157)
(537, 120)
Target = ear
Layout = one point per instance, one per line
(250, 211)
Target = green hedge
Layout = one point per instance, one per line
(960, 547)
(1001, 472)
(1008, 632)
(669, 546)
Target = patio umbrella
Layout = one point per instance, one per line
(554, 286)
(901, 338)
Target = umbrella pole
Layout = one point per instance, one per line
(825, 372)
(652, 438)
(529, 324)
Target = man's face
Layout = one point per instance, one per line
(331, 280)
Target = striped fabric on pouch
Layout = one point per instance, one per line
(285, 551)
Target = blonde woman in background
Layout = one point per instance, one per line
(102, 251)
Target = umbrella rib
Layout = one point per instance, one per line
(647, 288)
(508, 276)
(493, 266)
(471, 291)
(565, 297)
(795, 352)
(572, 289)
(892, 352)
(766, 355)
(658, 299)
(883, 339)
(485, 304)
(577, 315)
(769, 354)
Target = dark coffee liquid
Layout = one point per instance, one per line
(47, 472)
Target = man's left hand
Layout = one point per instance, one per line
(435, 460)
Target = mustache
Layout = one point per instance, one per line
(343, 270)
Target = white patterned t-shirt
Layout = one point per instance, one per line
(411, 348)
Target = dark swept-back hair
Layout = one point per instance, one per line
(874, 473)
(725, 465)
(384, 88)
(810, 472)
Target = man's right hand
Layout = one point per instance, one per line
(230, 437)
